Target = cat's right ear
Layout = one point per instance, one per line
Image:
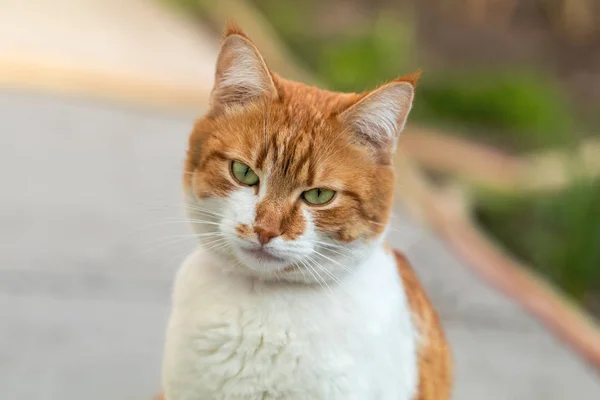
(242, 76)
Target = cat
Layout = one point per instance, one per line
(292, 292)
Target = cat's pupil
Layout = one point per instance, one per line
(246, 171)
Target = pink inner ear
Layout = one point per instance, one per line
(241, 76)
(379, 117)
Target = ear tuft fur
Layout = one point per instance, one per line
(241, 76)
(411, 78)
(232, 28)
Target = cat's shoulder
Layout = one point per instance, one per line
(435, 361)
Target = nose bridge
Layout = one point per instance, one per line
(269, 214)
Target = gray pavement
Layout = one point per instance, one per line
(89, 248)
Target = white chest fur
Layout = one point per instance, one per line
(231, 337)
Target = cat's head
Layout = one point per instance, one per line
(289, 181)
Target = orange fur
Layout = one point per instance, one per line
(411, 78)
(295, 134)
(435, 361)
(232, 28)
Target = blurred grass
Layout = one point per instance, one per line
(517, 109)
(559, 233)
(521, 109)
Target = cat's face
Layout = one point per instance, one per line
(288, 181)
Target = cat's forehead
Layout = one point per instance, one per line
(292, 146)
(298, 147)
(299, 111)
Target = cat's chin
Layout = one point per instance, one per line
(262, 256)
(259, 263)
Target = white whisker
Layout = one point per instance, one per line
(311, 272)
(200, 222)
(175, 221)
(333, 261)
(168, 242)
(342, 251)
(320, 278)
(205, 211)
(301, 271)
(330, 274)
(159, 243)
(216, 244)
(194, 207)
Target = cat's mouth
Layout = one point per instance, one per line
(262, 254)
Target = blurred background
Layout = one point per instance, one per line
(498, 205)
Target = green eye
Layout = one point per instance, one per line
(318, 196)
(244, 174)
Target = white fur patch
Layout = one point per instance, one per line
(237, 338)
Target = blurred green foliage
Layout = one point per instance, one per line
(366, 56)
(558, 233)
(523, 109)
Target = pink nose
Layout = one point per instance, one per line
(265, 235)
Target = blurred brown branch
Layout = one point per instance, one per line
(576, 19)
(485, 167)
(572, 18)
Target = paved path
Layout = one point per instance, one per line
(86, 266)
(127, 49)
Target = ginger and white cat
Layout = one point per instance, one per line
(292, 293)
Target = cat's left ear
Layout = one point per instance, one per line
(379, 116)
(242, 76)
